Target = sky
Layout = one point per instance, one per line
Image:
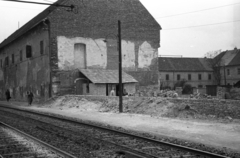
(190, 28)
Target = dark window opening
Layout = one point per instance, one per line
(13, 59)
(209, 76)
(178, 77)
(6, 61)
(199, 77)
(238, 71)
(87, 88)
(21, 56)
(41, 47)
(200, 86)
(189, 77)
(28, 51)
(167, 77)
(1, 63)
(228, 72)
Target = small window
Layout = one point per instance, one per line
(228, 72)
(20, 56)
(87, 88)
(178, 77)
(13, 60)
(199, 77)
(167, 77)
(28, 51)
(200, 86)
(41, 47)
(6, 61)
(238, 70)
(1, 63)
(189, 77)
(209, 77)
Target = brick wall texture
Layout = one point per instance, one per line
(98, 19)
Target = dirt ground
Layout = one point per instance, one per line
(223, 133)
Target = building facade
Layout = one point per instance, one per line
(194, 71)
(230, 67)
(47, 54)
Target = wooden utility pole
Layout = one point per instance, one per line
(120, 67)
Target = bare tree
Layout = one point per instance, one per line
(215, 62)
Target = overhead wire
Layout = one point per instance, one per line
(202, 25)
(196, 11)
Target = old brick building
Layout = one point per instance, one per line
(195, 71)
(47, 54)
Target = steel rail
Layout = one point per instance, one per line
(48, 146)
(180, 147)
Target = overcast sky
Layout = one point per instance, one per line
(211, 25)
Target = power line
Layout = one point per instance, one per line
(202, 25)
(197, 11)
(21, 8)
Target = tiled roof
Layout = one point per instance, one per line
(229, 57)
(183, 64)
(106, 76)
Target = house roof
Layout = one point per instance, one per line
(106, 76)
(30, 24)
(229, 57)
(183, 64)
(44, 15)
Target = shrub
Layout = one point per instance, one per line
(187, 89)
(235, 93)
(180, 83)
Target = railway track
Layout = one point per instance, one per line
(17, 144)
(126, 144)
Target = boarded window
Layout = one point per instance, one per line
(189, 77)
(80, 60)
(20, 56)
(167, 77)
(28, 51)
(199, 77)
(13, 60)
(41, 47)
(178, 77)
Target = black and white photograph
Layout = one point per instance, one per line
(119, 78)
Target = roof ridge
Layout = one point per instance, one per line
(31, 23)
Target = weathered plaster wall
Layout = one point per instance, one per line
(97, 22)
(195, 82)
(30, 73)
(97, 55)
(146, 54)
(233, 77)
(130, 88)
(96, 52)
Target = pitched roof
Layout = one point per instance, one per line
(183, 64)
(144, 16)
(30, 24)
(106, 76)
(229, 57)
